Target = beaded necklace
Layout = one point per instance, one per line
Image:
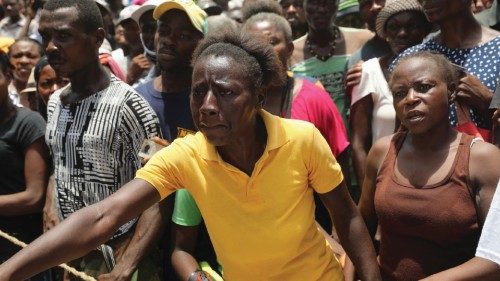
(333, 45)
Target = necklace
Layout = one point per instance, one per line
(332, 44)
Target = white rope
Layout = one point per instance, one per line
(69, 269)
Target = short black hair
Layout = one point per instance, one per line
(260, 6)
(89, 16)
(256, 56)
(29, 40)
(5, 65)
(449, 72)
(276, 20)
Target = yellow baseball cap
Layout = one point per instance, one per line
(197, 16)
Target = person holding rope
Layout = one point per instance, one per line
(95, 128)
(259, 214)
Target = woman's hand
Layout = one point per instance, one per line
(474, 93)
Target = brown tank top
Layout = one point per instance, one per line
(427, 229)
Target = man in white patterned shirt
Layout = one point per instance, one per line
(96, 126)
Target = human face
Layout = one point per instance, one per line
(276, 38)
(439, 10)
(223, 104)
(131, 32)
(176, 39)
(420, 95)
(320, 13)
(369, 10)
(405, 29)
(293, 11)
(23, 56)
(68, 47)
(119, 36)
(11, 7)
(49, 82)
(148, 29)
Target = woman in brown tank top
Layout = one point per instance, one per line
(428, 187)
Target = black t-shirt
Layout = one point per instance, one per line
(16, 135)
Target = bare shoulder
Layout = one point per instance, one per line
(488, 34)
(298, 51)
(484, 162)
(355, 38)
(378, 152)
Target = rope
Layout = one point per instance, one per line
(69, 269)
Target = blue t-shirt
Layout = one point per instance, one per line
(172, 109)
(482, 61)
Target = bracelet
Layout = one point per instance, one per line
(199, 275)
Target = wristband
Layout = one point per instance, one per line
(199, 275)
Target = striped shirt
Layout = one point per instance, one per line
(94, 144)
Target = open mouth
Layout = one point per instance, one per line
(415, 116)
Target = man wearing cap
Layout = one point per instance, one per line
(134, 63)
(143, 16)
(181, 25)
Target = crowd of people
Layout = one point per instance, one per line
(250, 139)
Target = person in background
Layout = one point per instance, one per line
(134, 64)
(294, 13)
(403, 24)
(147, 24)
(46, 83)
(323, 52)
(12, 25)
(476, 49)
(427, 187)
(348, 14)
(260, 6)
(234, 10)
(376, 47)
(95, 128)
(210, 7)
(25, 170)
(23, 55)
(109, 43)
(181, 25)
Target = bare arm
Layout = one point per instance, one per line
(367, 203)
(484, 178)
(81, 232)
(361, 131)
(352, 232)
(30, 200)
(184, 239)
(50, 213)
(147, 232)
(474, 269)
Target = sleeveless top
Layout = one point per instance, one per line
(428, 229)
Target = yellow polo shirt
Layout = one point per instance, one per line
(262, 226)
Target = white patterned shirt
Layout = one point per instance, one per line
(94, 144)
